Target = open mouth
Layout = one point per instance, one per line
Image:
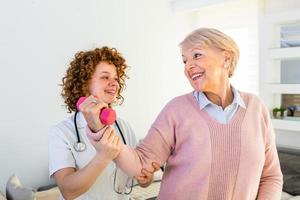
(196, 76)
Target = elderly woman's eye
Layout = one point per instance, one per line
(184, 61)
(197, 55)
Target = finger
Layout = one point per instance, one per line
(98, 103)
(101, 104)
(140, 178)
(115, 140)
(119, 144)
(83, 103)
(95, 105)
(106, 134)
(91, 100)
(110, 138)
(156, 166)
(88, 104)
(147, 173)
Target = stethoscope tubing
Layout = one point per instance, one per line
(80, 146)
(78, 136)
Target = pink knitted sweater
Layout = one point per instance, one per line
(207, 160)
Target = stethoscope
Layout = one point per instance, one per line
(80, 146)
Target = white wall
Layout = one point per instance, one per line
(239, 19)
(273, 7)
(39, 38)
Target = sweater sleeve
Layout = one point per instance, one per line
(155, 147)
(270, 187)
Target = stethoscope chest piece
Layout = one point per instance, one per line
(79, 146)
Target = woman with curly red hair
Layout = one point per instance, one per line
(81, 169)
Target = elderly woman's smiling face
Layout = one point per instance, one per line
(205, 67)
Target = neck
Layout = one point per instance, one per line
(222, 96)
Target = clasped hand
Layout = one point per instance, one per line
(109, 146)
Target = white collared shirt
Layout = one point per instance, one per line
(217, 112)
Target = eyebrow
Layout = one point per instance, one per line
(104, 72)
(107, 73)
(197, 48)
(193, 49)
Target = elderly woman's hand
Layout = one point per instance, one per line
(146, 178)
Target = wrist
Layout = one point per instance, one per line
(95, 136)
(101, 159)
(97, 129)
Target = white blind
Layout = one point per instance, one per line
(246, 77)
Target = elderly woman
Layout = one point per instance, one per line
(216, 142)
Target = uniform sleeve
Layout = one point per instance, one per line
(60, 154)
(270, 187)
(155, 147)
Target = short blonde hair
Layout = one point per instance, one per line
(210, 37)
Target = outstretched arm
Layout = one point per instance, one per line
(157, 146)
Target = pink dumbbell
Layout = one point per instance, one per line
(107, 115)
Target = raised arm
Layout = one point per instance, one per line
(155, 147)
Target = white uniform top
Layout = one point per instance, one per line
(62, 154)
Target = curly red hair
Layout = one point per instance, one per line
(82, 67)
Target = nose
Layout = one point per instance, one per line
(113, 82)
(189, 64)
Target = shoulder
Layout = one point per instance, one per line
(176, 110)
(179, 101)
(252, 100)
(122, 121)
(123, 124)
(62, 127)
(256, 106)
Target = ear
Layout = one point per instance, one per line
(226, 64)
(227, 57)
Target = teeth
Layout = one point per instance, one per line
(196, 75)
